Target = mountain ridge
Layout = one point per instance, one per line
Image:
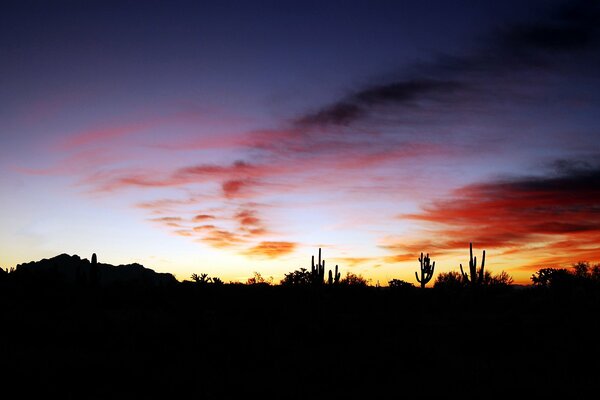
(72, 269)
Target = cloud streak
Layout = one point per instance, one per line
(557, 208)
(451, 82)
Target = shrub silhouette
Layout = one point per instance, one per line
(451, 280)
(581, 275)
(258, 279)
(426, 270)
(201, 279)
(300, 277)
(503, 279)
(217, 281)
(400, 284)
(555, 278)
(354, 280)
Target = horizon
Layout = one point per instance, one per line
(232, 138)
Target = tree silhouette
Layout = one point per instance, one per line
(451, 280)
(354, 280)
(201, 279)
(300, 277)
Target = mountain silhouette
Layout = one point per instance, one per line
(72, 269)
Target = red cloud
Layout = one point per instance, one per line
(562, 210)
(232, 188)
(202, 217)
(104, 133)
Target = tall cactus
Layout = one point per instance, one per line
(317, 272)
(426, 270)
(334, 279)
(475, 276)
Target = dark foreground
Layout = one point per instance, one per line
(235, 341)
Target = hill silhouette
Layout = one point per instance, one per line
(67, 269)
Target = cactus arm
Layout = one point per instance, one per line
(481, 273)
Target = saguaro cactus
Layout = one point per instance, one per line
(317, 272)
(475, 276)
(334, 278)
(426, 270)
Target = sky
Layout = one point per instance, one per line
(231, 138)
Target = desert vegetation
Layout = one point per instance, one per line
(83, 329)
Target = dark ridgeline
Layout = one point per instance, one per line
(73, 270)
(81, 329)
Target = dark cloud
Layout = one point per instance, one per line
(450, 81)
(573, 26)
(400, 93)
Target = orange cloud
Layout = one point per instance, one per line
(557, 216)
(169, 221)
(271, 249)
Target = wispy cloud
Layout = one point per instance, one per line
(271, 249)
(500, 61)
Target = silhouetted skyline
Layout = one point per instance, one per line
(234, 137)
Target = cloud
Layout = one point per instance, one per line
(511, 213)
(453, 82)
(221, 238)
(271, 249)
(401, 93)
(233, 176)
(174, 222)
(355, 261)
(203, 228)
(571, 27)
(233, 188)
(202, 217)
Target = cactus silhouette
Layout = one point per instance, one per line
(475, 276)
(426, 270)
(334, 279)
(94, 271)
(317, 272)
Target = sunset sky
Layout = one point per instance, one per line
(237, 137)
